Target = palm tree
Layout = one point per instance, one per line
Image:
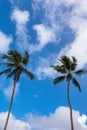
(15, 65)
(67, 69)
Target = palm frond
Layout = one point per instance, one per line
(8, 64)
(6, 71)
(25, 58)
(12, 73)
(17, 56)
(59, 79)
(80, 72)
(73, 66)
(74, 63)
(15, 62)
(60, 69)
(28, 73)
(13, 52)
(74, 59)
(66, 61)
(7, 57)
(76, 83)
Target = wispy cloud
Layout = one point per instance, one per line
(48, 31)
(5, 42)
(21, 19)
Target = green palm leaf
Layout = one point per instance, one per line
(26, 58)
(5, 71)
(59, 79)
(66, 62)
(76, 83)
(16, 55)
(8, 64)
(60, 69)
(28, 73)
(74, 59)
(74, 63)
(7, 57)
(80, 72)
(12, 73)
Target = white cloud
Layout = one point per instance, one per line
(8, 91)
(59, 120)
(83, 120)
(78, 48)
(44, 70)
(45, 35)
(14, 124)
(21, 18)
(5, 42)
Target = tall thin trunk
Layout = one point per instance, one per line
(70, 106)
(10, 106)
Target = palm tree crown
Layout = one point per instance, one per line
(67, 68)
(15, 64)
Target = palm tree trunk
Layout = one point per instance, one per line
(70, 106)
(10, 107)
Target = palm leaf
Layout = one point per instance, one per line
(28, 73)
(74, 59)
(76, 83)
(80, 72)
(5, 71)
(17, 56)
(73, 66)
(60, 69)
(7, 57)
(26, 58)
(8, 64)
(14, 53)
(59, 79)
(12, 73)
(66, 61)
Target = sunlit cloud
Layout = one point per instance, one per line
(5, 42)
(59, 120)
(45, 35)
(14, 124)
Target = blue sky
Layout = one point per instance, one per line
(47, 30)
